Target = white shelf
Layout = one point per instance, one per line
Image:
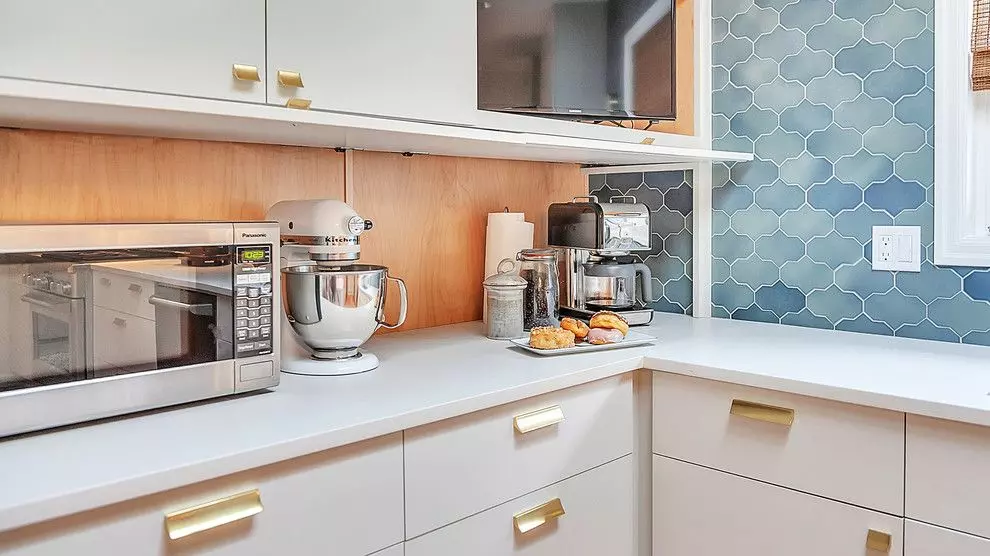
(37, 105)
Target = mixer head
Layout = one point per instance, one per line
(323, 230)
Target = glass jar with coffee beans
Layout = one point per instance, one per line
(539, 268)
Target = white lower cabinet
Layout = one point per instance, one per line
(700, 511)
(346, 502)
(591, 514)
(921, 539)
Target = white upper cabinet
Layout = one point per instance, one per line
(393, 58)
(181, 47)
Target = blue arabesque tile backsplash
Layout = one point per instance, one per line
(670, 198)
(835, 98)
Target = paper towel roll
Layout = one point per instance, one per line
(507, 234)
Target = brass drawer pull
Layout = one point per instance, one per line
(541, 418)
(117, 321)
(246, 73)
(877, 540)
(289, 78)
(541, 515)
(212, 514)
(135, 288)
(298, 103)
(763, 412)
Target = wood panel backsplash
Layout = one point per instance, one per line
(430, 212)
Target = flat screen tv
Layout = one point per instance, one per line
(577, 59)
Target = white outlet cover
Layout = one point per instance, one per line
(904, 249)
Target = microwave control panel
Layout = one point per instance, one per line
(253, 311)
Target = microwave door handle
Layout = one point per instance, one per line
(201, 309)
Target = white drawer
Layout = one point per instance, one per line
(841, 451)
(947, 480)
(122, 340)
(461, 466)
(598, 520)
(346, 501)
(124, 294)
(921, 539)
(702, 512)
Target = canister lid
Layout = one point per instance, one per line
(506, 277)
(537, 255)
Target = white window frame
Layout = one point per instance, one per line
(962, 144)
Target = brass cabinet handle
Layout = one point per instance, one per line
(298, 103)
(136, 288)
(289, 78)
(763, 412)
(117, 321)
(878, 540)
(105, 281)
(541, 418)
(197, 519)
(535, 517)
(246, 73)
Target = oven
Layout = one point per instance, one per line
(98, 320)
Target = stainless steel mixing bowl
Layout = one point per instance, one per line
(334, 310)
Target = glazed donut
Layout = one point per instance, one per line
(579, 328)
(608, 319)
(599, 336)
(549, 337)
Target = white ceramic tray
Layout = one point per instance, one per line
(632, 339)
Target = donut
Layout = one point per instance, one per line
(610, 320)
(599, 336)
(579, 328)
(550, 337)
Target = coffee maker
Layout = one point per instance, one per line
(595, 242)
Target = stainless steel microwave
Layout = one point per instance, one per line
(98, 320)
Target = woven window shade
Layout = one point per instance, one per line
(981, 45)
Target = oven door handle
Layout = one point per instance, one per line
(38, 302)
(201, 309)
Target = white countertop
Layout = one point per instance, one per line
(434, 374)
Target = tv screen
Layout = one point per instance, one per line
(579, 59)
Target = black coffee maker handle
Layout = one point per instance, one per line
(645, 291)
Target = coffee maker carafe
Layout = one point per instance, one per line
(595, 243)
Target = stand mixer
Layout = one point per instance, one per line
(331, 305)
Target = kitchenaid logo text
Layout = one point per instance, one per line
(341, 240)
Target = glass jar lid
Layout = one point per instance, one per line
(536, 255)
(506, 277)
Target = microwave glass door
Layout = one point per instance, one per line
(76, 315)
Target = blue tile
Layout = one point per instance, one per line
(895, 309)
(977, 285)
(780, 248)
(834, 304)
(732, 246)
(962, 271)
(664, 305)
(834, 142)
(779, 145)
(755, 221)
(755, 272)
(806, 319)
(731, 100)
(917, 109)
(679, 291)
(894, 195)
(806, 118)
(754, 174)
(596, 181)
(894, 26)
(754, 72)
(665, 269)
(780, 299)
(731, 295)
(649, 196)
(894, 138)
(806, 65)
(918, 52)
(720, 270)
(731, 50)
(727, 9)
(665, 180)
(656, 247)
(834, 250)
(918, 166)
(805, 170)
(753, 122)
(807, 222)
(719, 313)
(929, 284)
(665, 222)
(977, 338)
(755, 22)
(777, 5)
(861, 10)
(864, 168)
(894, 82)
(731, 197)
(923, 216)
(927, 331)
(805, 15)
(680, 245)
(858, 223)
(720, 78)
(755, 314)
(720, 28)
(806, 275)
(864, 112)
(865, 325)
(835, 196)
(961, 314)
(834, 89)
(780, 197)
(624, 182)
(926, 6)
(720, 222)
(779, 44)
(680, 199)
(862, 279)
(864, 58)
(835, 34)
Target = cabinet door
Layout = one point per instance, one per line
(701, 511)
(921, 539)
(391, 58)
(182, 47)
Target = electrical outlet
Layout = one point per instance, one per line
(897, 248)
